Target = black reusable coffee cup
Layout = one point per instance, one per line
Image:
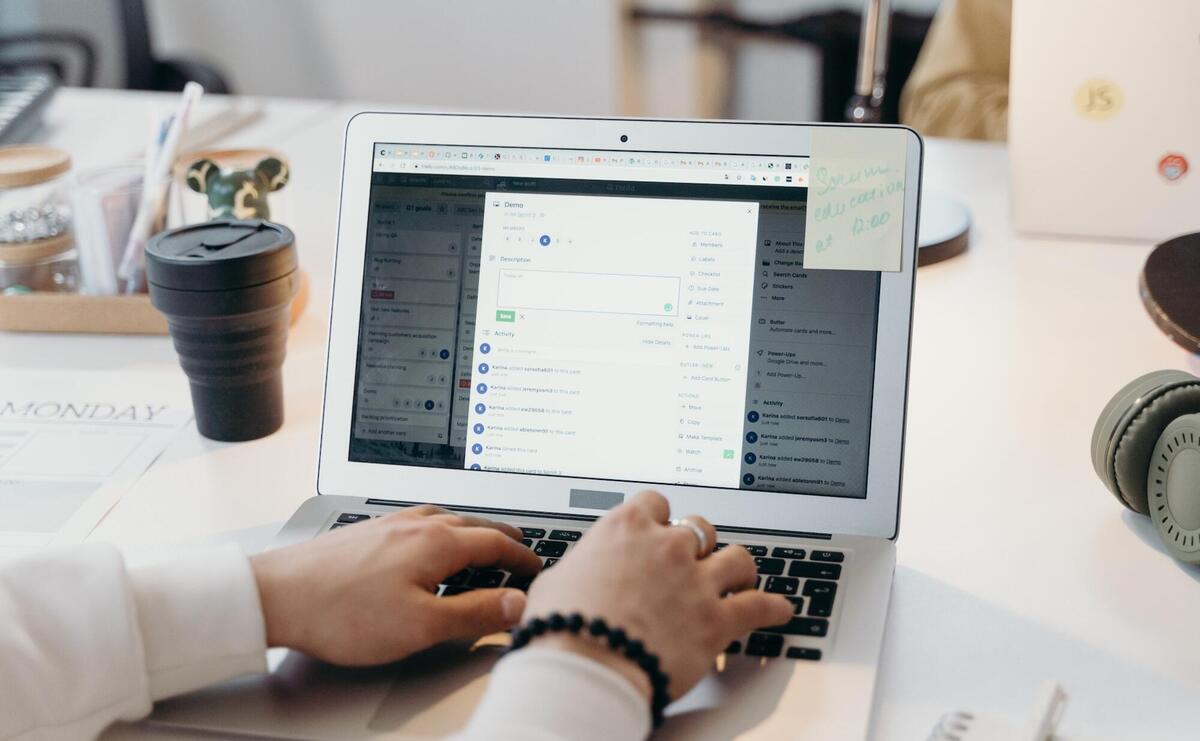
(226, 288)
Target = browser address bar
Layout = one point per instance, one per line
(583, 172)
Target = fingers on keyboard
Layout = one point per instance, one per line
(809, 579)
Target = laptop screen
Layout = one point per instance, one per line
(614, 315)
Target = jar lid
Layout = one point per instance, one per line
(1168, 289)
(220, 255)
(26, 164)
(35, 251)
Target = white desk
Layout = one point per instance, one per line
(1014, 563)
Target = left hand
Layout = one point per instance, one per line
(365, 594)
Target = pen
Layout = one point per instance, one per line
(154, 189)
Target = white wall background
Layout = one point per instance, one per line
(531, 55)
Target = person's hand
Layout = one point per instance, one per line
(648, 579)
(365, 594)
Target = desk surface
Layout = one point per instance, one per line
(1015, 565)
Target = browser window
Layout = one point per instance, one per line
(628, 316)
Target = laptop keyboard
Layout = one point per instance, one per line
(807, 577)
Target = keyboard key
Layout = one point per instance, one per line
(782, 585)
(721, 545)
(757, 550)
(734, 648)
(810, 570)
(458, 579)
(569, 535)
(550, 548)
(350, 518)
(797, 605)
(453, 590)
(486, 579)
(519, 582)
(799, 626)
(821, 606)
(336, 525)
(769, 565)
(533, 532)
(799, 652)
(549, 562)
(816, 588)
(764, 644)
(830, 556)
(527, 542)
(788, 553)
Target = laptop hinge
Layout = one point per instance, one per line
(589, 518)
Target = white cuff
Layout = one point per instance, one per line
(201, 621)
(548, 694)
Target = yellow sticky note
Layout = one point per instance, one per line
(855, 212)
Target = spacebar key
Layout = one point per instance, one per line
(801, 627)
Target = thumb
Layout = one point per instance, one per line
(479, 612)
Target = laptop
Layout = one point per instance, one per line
(535, 318)
(1102, 118)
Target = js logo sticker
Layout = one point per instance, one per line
(1172, 167)
(1098, 99)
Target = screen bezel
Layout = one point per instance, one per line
(875, 515)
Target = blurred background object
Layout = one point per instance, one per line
(88, 43)
(959, 87)
(776, 59)
(764, 59)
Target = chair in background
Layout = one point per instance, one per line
(70, 52)
(834, 34)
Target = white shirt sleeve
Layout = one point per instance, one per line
(543, 694)
(85, 642)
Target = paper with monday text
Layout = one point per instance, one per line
(71, 444)
(855, 215)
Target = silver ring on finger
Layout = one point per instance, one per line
(703, 547)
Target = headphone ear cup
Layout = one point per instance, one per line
(1173, 487)
(1131, 459)
(1130, 425)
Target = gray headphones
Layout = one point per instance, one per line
(1146, 450)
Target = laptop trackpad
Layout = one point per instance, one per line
(436, 691)
(431, 694)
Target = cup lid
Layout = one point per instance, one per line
(220, 255)
(27, 164)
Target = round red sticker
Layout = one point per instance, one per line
(1173, 166)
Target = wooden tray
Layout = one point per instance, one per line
(78, 313)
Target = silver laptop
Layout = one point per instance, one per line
(534, 318)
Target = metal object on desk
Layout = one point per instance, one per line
(870, 84)
(1039, 726)
(945, 225)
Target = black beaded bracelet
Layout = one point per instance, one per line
(615, 638)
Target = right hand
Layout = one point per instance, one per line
(645, 577)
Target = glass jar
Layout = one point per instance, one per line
(37, 249)
(48, 264)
